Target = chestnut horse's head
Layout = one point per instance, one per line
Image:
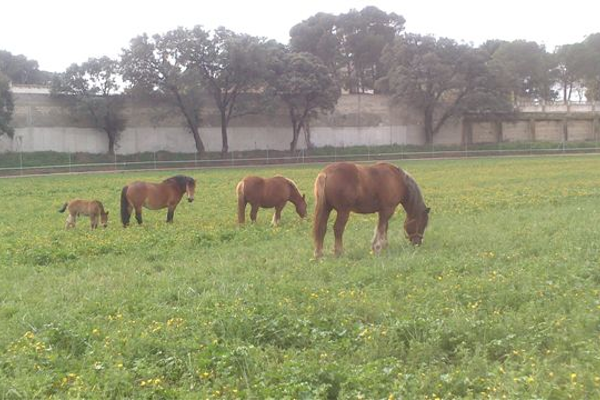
(417, 213)
(190, 188)
(415, 224)
(301, 207)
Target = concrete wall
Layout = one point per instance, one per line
(44, 123)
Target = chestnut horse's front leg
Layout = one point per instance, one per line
(170, 213)
(380, 238)
(277, 216)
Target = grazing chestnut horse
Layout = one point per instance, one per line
(268, 193)
(155, 196)
(363, 189)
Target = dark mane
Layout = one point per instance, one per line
(180, 180)
(414, 198)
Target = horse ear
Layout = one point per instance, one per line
(427, 210)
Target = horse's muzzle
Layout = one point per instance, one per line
(190, 199)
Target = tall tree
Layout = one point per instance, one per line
(525, 68)
(440, 78)
(6, 106)
(570, 60)
(306, 87)
(160, 66)
(349, 44)
(363, 35)
(591, 67)
(94, 85)
(233, 68)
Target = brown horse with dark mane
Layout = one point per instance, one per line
(155, 196)
(347, 187)
(268, 193)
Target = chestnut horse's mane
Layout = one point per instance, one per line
(414, 201)
(291, 182)
(180, 180)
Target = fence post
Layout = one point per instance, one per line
(69, 162)
(154, 156)
(21, 162)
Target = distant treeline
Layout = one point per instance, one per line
(366, 51)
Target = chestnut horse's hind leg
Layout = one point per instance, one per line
(338, 231)
(380, 238)
(319, 229)
(253, 212)
(138, 214)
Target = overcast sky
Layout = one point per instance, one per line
(57, 33)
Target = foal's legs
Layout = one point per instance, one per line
(94, 221)
(253, 212)
(71, 220)
(380, 239)
(338, 230)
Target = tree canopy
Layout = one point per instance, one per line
(350, 44)
(21, 70)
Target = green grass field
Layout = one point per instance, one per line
(501, 301)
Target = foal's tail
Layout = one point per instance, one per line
(125, 214)
(320, 219)
(64, 207)
(239, 189)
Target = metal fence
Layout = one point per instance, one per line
(25, 167)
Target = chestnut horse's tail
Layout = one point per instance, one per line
(64, 207)
(125, 214)
(239, 189)
(321, 215)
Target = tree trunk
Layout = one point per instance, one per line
(111, 143)
(296, 133)
(306, 129)
(428, 125)
(224, 141)
(197, 140)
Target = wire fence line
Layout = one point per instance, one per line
(300, 157)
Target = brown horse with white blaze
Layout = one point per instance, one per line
(365, 189)
(155, 196)
(268, 193)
